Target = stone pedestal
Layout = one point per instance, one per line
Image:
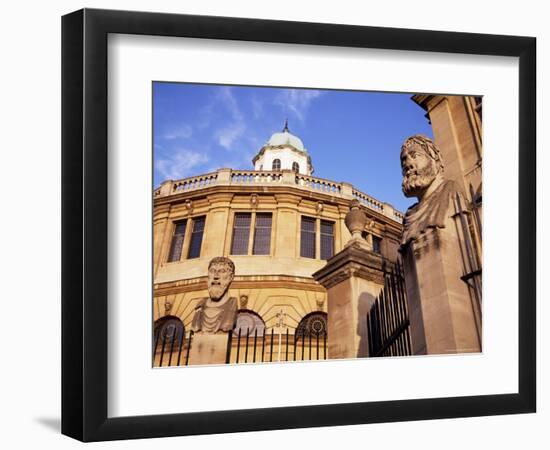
(440, 307)
(208, 348)
(353, 278)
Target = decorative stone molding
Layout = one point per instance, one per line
(354, 261)
(254, 200)
(320, 304)
(320, 207)
(189, 206)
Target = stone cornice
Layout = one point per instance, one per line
(427, 101)
(354, 260)
(240, 282)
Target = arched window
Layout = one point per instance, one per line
(296, 167)
(276, 164)
(167, 329)
(313, 324)
(249, 323)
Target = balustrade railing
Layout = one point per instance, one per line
(368, 201)
(255, 177)
(228, 177)
(399, 216)
(318, 184)
(192, 183)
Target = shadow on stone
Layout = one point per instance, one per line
(364, 304)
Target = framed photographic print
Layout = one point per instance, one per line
(274, 224)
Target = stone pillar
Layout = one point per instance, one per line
(161, 233)
(353, 279)
(440, 306)
(346, 189)
(207, 348)
(215, 232)
(444, 315)
(289, 177)
(166, 188)
(224, 177)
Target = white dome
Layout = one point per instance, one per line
(286, 138)
(283, 151)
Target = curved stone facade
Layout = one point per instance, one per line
(278, 282)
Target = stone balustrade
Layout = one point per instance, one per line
(399, 216)
(198, 182)
(255, 177)
(228, 177)
(318, 184)
(368, 201)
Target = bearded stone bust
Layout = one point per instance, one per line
(422, 168)
(218, 312)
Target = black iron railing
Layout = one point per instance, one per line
(388, 318)
(245, 347)
(271, 346)
(172, 350)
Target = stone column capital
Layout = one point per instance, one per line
(353, 261)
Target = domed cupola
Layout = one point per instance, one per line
(283, 151)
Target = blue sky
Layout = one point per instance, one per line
(351, 136)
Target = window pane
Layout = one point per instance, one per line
(177, 242)
(249, 323)
(376, 244)
(307, 238)
(327, 239)
(241, 233)
(196, 237)
(262, 234)
(295, 167)
(276, 164)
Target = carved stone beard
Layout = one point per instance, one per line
(217, 291)
(416, 181)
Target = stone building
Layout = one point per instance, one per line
(278, 223)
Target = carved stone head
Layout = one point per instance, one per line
(421, 162)
(221, 271)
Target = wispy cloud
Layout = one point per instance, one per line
(297, 101)
(180, 164)
(205, 115)
(228, 134)
(183, 131)
(257, 107)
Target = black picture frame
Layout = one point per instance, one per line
(84, 224)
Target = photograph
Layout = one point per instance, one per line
(311, 224)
